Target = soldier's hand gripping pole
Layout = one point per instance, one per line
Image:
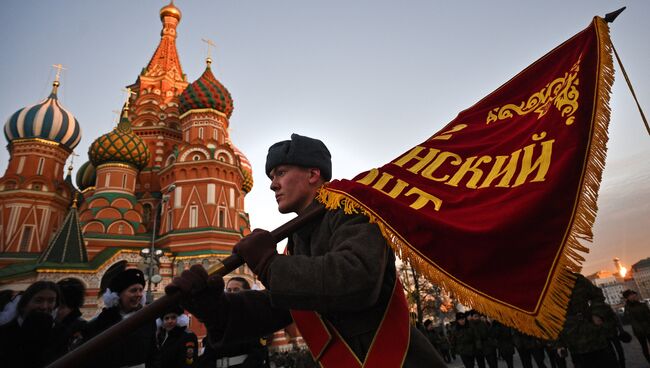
(81, 356)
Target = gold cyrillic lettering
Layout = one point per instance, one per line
(369, 178)
(541, 164)
(397, 189)
(469, 166)
(508, 172)
(428, 172)
(413, 155)
(423, 199)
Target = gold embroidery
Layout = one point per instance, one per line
(561, 93)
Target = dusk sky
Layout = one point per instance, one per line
(371, 78)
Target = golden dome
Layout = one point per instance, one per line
(170, 10)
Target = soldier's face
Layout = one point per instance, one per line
(294, 186)
(131, 298)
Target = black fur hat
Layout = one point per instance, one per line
(126, 278)
(300, 151)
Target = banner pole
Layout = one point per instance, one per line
(82, 355)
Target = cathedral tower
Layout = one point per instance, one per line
(34, 197)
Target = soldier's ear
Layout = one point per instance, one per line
(315, 177)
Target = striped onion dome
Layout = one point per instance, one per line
(206, 93)
(120, 145)
(246, 168)
(86, 176)
(46, 120)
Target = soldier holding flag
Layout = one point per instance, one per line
(337, 282)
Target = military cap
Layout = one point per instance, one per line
(300, 151)
(125, 279)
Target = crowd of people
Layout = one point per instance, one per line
(591, 337)
(44, 322)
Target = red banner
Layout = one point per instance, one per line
(493, 207)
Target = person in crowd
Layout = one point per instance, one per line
(337, 279)
(438, 340)
(529, 348)
(176, 346)
(122, 298)
(490, 343)
(638, 314)
(480, 330)
(505, 342)
(69, 315)
(465, 341)
(29, 340)
(584, 332)
(247, 354)
(556, 354)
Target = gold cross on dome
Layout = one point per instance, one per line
(210, 44)
(129, 93)
(72, 156)
(58, 68)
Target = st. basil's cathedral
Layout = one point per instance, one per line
(167, 174)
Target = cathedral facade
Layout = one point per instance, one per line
(162, 191)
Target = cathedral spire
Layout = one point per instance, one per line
(68, 244)
(165, 60)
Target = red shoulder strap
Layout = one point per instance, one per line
(388, 348)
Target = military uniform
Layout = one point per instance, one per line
(639, 316)
(505, 342)
(176, 348)
(341, 267)
(250, 354)
(587, 341)
(466, 343)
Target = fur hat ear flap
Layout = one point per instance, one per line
(183, 320)
(110, 298)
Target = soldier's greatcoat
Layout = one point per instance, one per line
(341, 267)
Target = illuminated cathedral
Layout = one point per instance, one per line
(167, 184)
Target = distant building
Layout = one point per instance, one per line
(641, 274)
(612, 285)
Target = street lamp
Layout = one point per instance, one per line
(152, 255)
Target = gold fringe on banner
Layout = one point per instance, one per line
(547, 321)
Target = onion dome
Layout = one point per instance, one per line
(46, 120)
(120, 145)
(246, 168)
(170, 10)
(86, 176)
(206, 93)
